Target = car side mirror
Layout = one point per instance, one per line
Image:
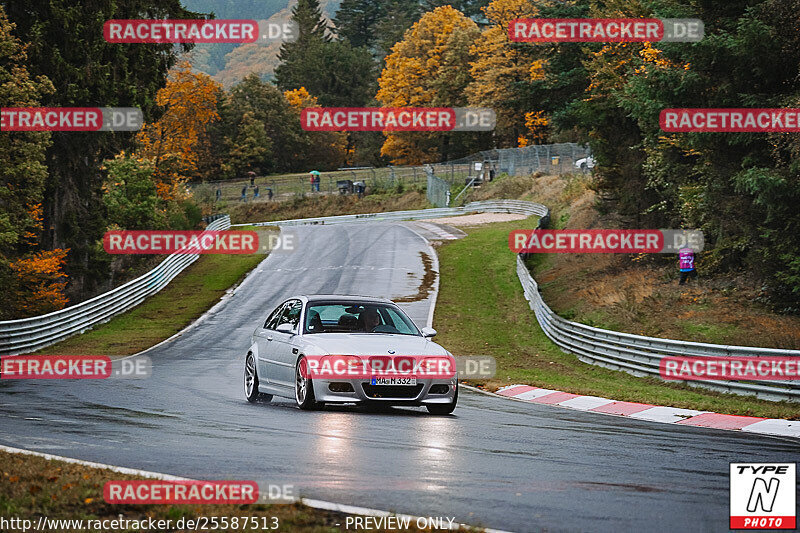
(285, 328)
(428, 332)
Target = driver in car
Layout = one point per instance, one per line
(370, 319)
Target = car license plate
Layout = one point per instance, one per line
(394, 381)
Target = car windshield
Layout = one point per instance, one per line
(332, 317)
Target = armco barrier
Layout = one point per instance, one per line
(30, 334)
(641, 355)
(493, 206)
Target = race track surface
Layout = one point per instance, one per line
(498, 463)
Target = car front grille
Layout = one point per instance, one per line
(391, 391)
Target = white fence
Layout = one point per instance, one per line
(29, 334)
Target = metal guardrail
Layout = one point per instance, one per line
(493, 206)
(29, 334)
(641, 356)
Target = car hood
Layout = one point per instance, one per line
(370, 344)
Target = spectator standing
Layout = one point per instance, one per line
(219, 193)
(252, 178)
(255, 192)
(686, 265)
(244, 194)
(269, 193)
(315, 179)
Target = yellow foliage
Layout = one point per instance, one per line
(300, 98)
(536, 122)
(416, 75)
(190, 105)
(537, 72)
(30, 235)
(39, 282)
(501, 12)
(405, 150)
(499, 65)
(415, 61)
(654, 56)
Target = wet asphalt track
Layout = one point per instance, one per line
(495, 462)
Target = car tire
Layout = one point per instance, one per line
(251, 381)
(444, 408)
(304, 388)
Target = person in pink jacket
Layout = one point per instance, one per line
(686, 264)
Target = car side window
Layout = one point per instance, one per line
(290, 314)
(272, 319)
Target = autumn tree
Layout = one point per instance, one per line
(501, 67)
(40, 284)
(425, 70)
(189, 102)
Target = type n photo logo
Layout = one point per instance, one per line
(763, 496)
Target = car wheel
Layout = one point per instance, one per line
(251, 381)
(584, 167)
(304, 388)
(444, 408)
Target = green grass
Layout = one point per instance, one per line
(162, 315)
(713, 333)
(481, 310)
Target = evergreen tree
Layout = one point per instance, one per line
(357, 21)
(66, 44)
(295, 66)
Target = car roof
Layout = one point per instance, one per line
(344, 298)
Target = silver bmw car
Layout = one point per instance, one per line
(329, 349)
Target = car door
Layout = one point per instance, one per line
(284, 346)
(267, 348)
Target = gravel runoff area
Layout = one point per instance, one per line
(477, 218)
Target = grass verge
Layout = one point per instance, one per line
(162, 315)
(481, 310)
(32, 487)
(320, 206)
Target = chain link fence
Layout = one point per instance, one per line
(438, 191)
(481, 166)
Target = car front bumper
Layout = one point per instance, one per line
(364, 392)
